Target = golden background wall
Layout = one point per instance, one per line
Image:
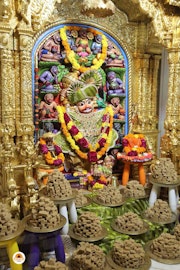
(143, 28)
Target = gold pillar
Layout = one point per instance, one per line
(172, 120)
(7, 105)
(145, 97)
(24, 115)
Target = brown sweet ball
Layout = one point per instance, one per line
(8, 225)
(80, 198)
(128, 254)
(51, 264)
(88, 225)
(163, 171)
(44, 214)
(129, 222)
(177, 232)
(166, 246)
(109, 195)
(134, 189)
(58, 187)
(88, 256)
(159, 211)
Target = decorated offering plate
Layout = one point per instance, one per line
(21, 228)
(65, 199)
(98, 237)
(156, 220)
(85, 204)
(95, 200)
(106, 266)
(137, 197)
(164, 184)
(115, 266)
(120, 230)
(159, 259)
(58, 226)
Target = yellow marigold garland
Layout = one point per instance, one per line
(57, 160)
(71, 54)
(134, 142)
(106, 135)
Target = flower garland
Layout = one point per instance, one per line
(71, 54)
(134, 144)
(97, 183)
(59, 156)
(78, 142)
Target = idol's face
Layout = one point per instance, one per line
(49, 98)
(85, 106)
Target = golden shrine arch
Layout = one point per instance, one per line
(144, 35)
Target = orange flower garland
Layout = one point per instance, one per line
(71, 56)
(78, 142)
(57, 160)
(134, 143)
(101, 181)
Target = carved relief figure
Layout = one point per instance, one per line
(47, 108)
(114, 56)
(119, 112)
(114, 84)
(51, 49)
(82, 43)
(49, 79)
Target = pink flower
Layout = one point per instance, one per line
(132, 153)
(104, 118)
(83, 142)
(93, 183)
(125, 142)
(107, 130)
(143, 143)
(57, 149)
(92, 156)
(102, 142)
(57, 162)
(43, 148)
(67, 118)
(74, 130)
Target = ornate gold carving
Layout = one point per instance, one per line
(162, 22)
(101, 8)
(173, 2)
(36, 13)
(5, 8)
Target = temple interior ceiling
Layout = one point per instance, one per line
(132, 10)
(135, 13)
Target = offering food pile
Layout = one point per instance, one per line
(134, 189)
(166, 246)
(129, 222)
(88, 225)
(163, 171)
(109, 195)
(57, 186)
(52, 264)
(7, 224)
(88, 256)
(44, 214)
(159, 211)
(177, 232)
(80, 198)
(128, 254)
